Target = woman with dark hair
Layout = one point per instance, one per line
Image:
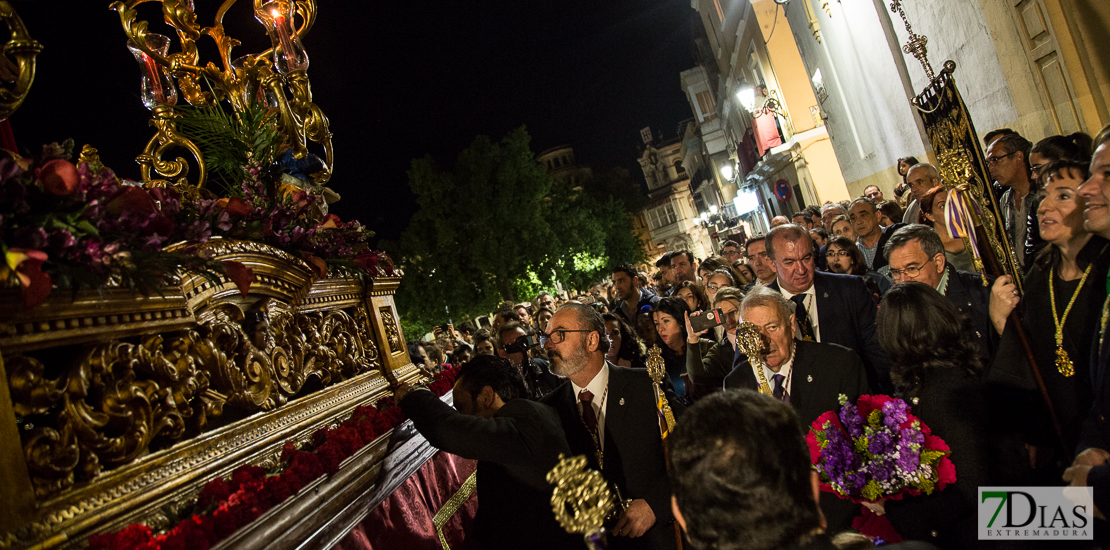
(717, 280)
(844, 257)
(625, 348)
(935, 361)
(693, 295)
(933, 203)
(744, 274)
(904, 165)
(1061, 306)
(670, 324)
(645, 327)
(709, 265)
(1075, 147)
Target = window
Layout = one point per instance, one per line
(662, 216)
(705, 104)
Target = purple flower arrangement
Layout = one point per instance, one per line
(875, 449)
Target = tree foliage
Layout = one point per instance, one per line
(498, 227)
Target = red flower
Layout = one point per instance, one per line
(946, 473)
(819, 426)
(868, 403)
(131, 199)
(59, 177)
(239, 274)
(213, 493)
(27, 266)
(330, 222)
(245, 474)
(131, 537)
(235, 206)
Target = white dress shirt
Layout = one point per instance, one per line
(810, 302)
(600, 401)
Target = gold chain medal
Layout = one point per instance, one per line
(1063, 363)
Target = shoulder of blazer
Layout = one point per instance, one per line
(806, 353)
(560, 397)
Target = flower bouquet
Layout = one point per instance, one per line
(874, 450)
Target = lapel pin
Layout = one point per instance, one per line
(622, 401)
(809, 378)
(826, 294)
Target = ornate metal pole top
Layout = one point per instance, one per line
(916, 43)
(749, 340)
(581, 500)
(655, 365)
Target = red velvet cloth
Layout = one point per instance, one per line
(404, 520)
(766, 132)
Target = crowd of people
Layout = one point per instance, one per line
(869, 296)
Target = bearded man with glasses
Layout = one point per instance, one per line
(609, 415)
(829, 307)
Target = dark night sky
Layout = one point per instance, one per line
(398, 80)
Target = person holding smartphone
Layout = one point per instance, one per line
(709, 369)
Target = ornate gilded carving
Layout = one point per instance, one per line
(581, 500)
(23, 49)
(109, 406)
(391, 332)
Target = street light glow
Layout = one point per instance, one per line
(726, 171)
(746, 95)
(713, 209)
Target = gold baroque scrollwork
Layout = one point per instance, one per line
(120, 398)
(390, 325)
(24, 49)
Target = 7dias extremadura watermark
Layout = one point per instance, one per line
(1036, 513)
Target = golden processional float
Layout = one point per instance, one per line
(971, 210)
(203, 357)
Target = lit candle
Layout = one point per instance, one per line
(283, 35)
(155, 79)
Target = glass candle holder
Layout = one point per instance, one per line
(249, 73)
(289, 53)
(156, 86)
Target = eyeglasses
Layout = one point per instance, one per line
(832, 254)
(712, 286)
(558, 335)
(910, 271)
(991, 161)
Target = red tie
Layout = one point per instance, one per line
(589, 418)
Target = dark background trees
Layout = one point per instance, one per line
(496, 226)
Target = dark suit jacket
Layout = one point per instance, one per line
(967, 292)
(821, 373)
(633, 448)
(1096, 428)
(846, 314)
(880, 258)
(515, 449)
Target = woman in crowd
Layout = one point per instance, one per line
(670, 323)
(932, 214)
(1075, 147)
(483, 343)
(935, 361)
(843, 228)
(745, 275)
(819, 235)
(889, 213)
(1063, 294)
(625, 348)
(709, 265)
(718, 280)
(693, 295)
(645, 327)
(904, 165)
(844, 257)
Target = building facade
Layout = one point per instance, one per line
(672, 217)
(760, 120)
(1031, 65)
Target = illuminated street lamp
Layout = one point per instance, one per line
(746, 96)
(727, 171)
